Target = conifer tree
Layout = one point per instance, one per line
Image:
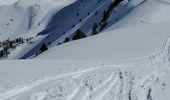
(79, 34)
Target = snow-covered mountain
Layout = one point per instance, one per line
(84, 49)
(40, 23)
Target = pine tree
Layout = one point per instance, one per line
(66, 40)
(79, 34)
(43, 48)
(94, 30)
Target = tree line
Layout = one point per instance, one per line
(8, 45)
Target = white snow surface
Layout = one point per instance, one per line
(85, 80)
(144, 12)
(130, 60)
(19, 17)
(139, 41)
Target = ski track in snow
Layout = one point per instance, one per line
(100, 83)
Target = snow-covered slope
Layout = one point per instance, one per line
(128, 60)
(143, 12)
(50, 22)
(84, 80)
(20, 17)
(149, 23)
(49, 25)
(139, 41)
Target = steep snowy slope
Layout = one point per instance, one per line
(139, 41)
(151, 18)
(128, 13)
(146, 12)
(84, 14)
(21, 16)
(50, 22)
